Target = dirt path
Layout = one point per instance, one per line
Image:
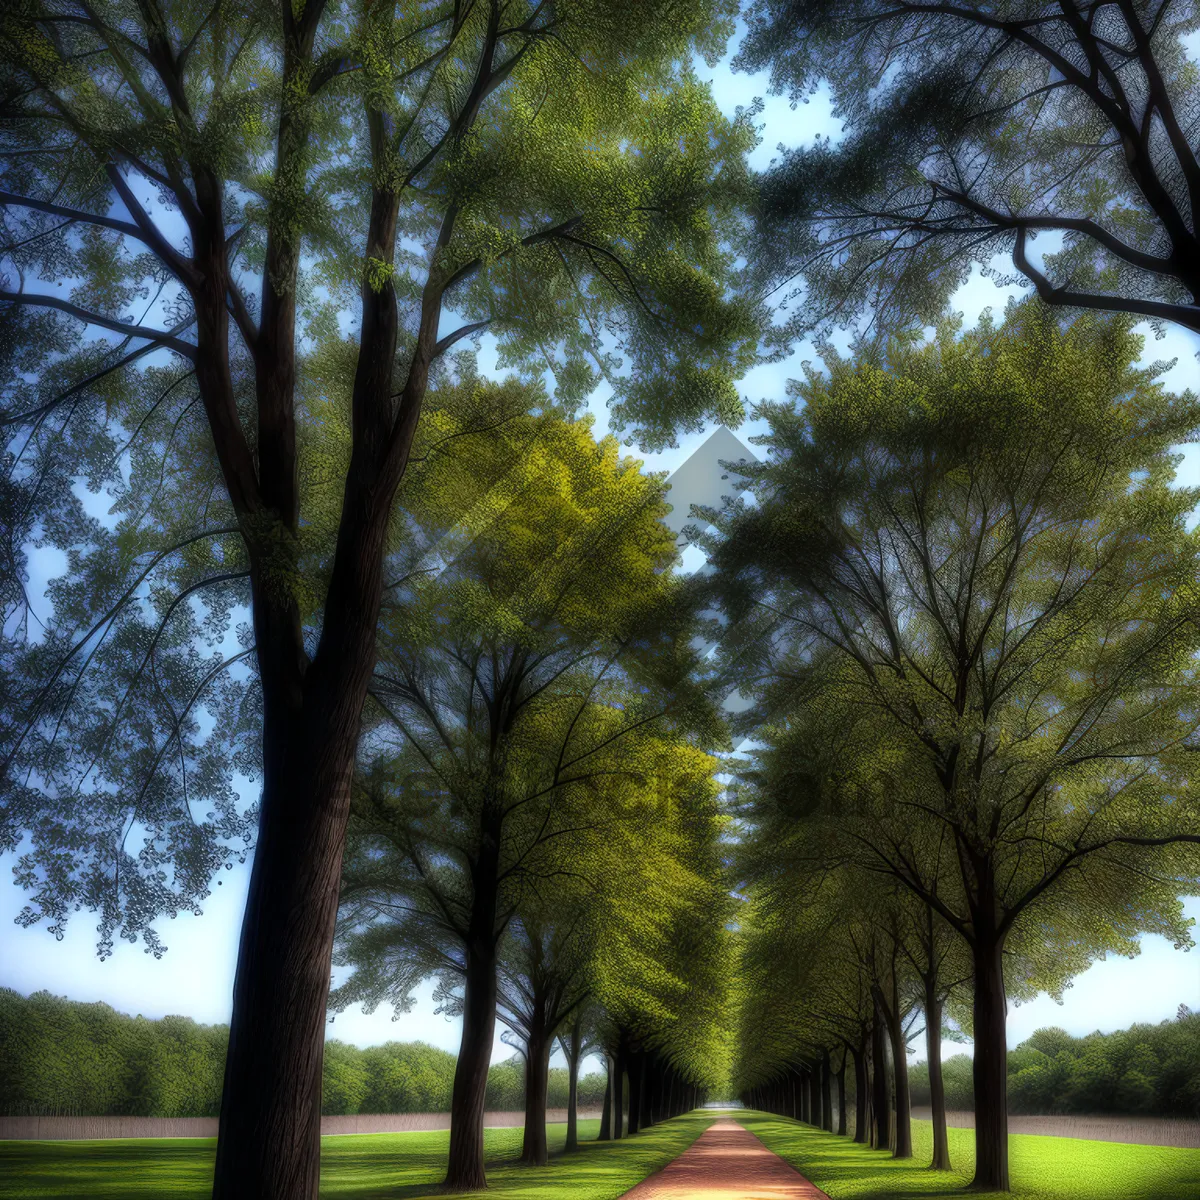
(726, 1162)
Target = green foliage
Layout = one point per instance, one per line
(1146, 1069)
(61, 1057)
(541, 723)
(557, 176)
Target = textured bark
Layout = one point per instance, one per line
(269, 1141)
(271, 1099)
(268, 1147)
(537, 1070)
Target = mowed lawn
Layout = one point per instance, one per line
(1041, 1168)
(367, 1167)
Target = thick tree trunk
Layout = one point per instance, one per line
(271, 1100)
(269, 1142)
(937, 1085)
(537, 1070)
(990, 1068)
(880, 1097)
(862, 1092)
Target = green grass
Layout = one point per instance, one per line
(1041, 1168)
(367, 1167)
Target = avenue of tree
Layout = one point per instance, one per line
(965, 601)
(302, 548)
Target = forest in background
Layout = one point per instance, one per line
(1150, 1069)
(61, 1057)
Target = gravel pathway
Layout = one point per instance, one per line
(727, 1162)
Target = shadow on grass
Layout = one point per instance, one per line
(596, 1171)
(384, 1166)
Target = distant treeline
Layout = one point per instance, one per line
(1152, 1069)
(60, 1057)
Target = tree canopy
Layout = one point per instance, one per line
(970, 130)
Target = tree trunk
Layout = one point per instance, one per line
(619, 1095)
(881, 1101)
(826, 1094)
(841, 1094)
(937, 1086)
(903, 1147)
(636, 1075)
(606, 1121)
(464, 1170)
(572, 1142)
(537, 1070)
(270, 1124)
(990, 1068)
(862, 1092)
(650, 1107)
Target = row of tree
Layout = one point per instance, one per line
(195, 194)
(60, 1057)
(964, 603)
(1146, 1069)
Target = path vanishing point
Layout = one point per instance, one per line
(727, 1162)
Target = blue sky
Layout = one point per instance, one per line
(195, 977)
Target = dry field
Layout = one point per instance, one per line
(1142, 1131)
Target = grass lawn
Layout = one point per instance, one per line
(1041, 1168)
(367, 1167)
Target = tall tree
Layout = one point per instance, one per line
(200, 177)
(981, 583)
(972, 129)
